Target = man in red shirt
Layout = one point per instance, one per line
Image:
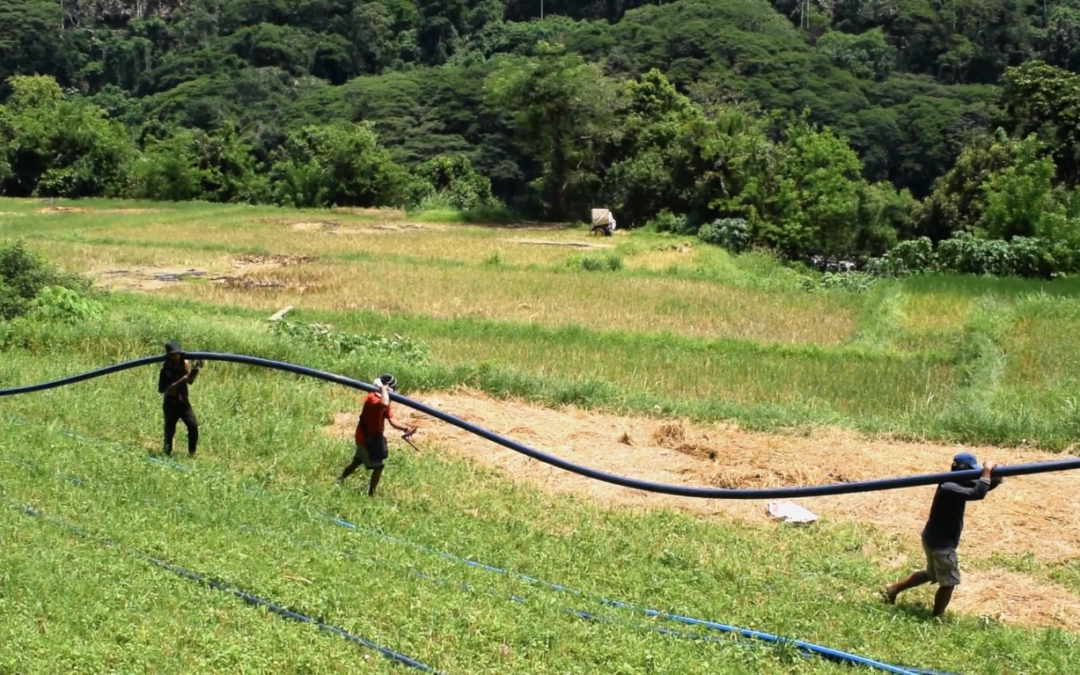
(371, 450)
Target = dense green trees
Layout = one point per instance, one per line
(53, 146)
(812, 135)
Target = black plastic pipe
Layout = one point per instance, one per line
(624, 481)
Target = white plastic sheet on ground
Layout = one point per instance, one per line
(791, 513)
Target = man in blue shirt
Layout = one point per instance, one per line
(941, 535)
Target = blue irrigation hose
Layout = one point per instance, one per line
(830, 654)
(249, 598)
(266, 532)
(648, 486)
(804, 647)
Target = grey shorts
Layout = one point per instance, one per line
(373, 454)
(941, 565)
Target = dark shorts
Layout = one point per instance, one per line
(941, 565)
(373, 453)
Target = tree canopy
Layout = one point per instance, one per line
(818, 130)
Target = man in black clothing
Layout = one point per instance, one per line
(173, 384)
(941, 535)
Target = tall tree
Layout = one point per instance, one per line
(561, 105)
(1042, 99)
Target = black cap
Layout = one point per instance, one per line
(172, 348)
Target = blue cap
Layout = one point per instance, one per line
(966, 459)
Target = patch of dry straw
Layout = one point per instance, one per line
(1015, 598)
(1040, 508)
(1031, 514)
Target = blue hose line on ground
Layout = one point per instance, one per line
(249, 598)
(266, 532)
(648, 486)
(804, 647)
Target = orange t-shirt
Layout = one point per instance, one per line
(372, 417)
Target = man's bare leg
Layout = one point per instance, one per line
(353, 466)
(942, 598)
(919, 578)
(376, 474)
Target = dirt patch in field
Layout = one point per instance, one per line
(78, 209)
(311, 225)
(404, 227)
(271, 261)
(339, 228)
(254, 283)
(254, 276)
(389, 214)
(1014, 598)
(146, 278)
(571, 244)
(62, 209)
(1038, 514)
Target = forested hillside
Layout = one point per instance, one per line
(823, 128)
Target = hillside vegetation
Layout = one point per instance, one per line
(904, 136)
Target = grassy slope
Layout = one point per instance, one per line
(699, 333)
(986, 359)
(262, 432)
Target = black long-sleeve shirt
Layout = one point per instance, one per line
(946, 520)
(170, 374)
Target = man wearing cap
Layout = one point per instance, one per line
(371, 450)
(941, 535)
(173, 381)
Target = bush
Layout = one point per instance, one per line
(596, 262)
(340, 164)
(730, 233)
(450, 182)
(965, 254)
(351, 344)
(1030, 257)
(24, 275)
(914, 256)
(666, 221)
(851, 282)
(56, 303)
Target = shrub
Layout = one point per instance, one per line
(1032, 257)
(450, 182)
(346, 344)
(913, 256)
(730, 233)
(851, 282)
(24, 275)
(666, 221)
(596, 262)
(56, 303)
(966, 254)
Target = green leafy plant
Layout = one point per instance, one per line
(23, 275)
(666, 221)
(56, 303)
(851, 282)
(596, 262)
(730, 233)
(344, 344)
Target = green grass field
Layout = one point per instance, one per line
(674, 331)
